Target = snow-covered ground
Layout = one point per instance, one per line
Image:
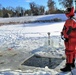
(32, 38)
(32, 18)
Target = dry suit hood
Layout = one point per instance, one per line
(71, 12)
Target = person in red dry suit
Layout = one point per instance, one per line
(68, 34)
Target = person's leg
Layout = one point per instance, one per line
(71, 51)
(74, 56)
(73, 47)
(69, 56)
(73, 64)
(68, 64)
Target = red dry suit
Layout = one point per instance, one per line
(69, 32)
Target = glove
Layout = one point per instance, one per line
(62, 36)
(66, 40)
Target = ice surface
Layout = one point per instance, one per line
(30, 38)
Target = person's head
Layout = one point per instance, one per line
(69, 12)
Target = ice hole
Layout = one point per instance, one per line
(37, 61)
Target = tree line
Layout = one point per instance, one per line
(35, 9)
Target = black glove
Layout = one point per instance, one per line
(62, 36)
(66, 40)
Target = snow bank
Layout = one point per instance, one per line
(32, 18)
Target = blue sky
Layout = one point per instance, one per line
(24, 3)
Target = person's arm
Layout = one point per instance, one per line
(69, 30)
(62, 35)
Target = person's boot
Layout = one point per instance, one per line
(73, 64)
(66, 68)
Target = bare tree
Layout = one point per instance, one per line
(1, 14)
(41, 10)
(19, 11)
(51, 6)
(66, 3)
(37, 9)
(34, 8)
(0, 6)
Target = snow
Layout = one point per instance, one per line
(32, 18)
(32, 38)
